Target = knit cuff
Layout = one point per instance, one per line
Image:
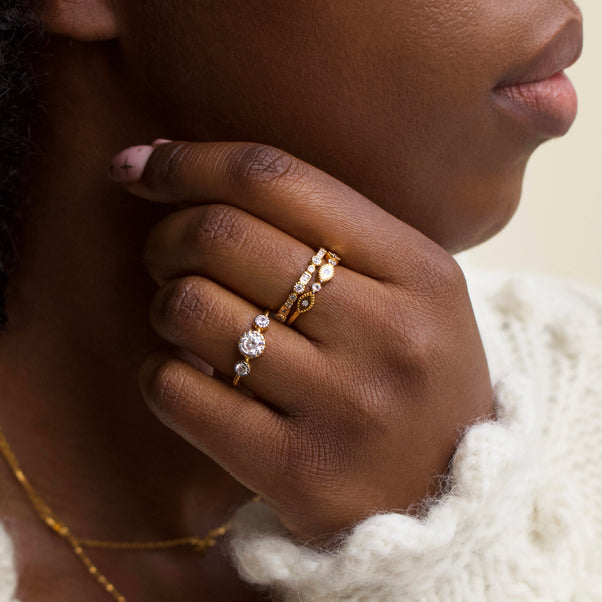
(392, 556)
(8, 572)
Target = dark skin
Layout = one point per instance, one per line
(389, 102)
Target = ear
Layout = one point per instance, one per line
(83, 20)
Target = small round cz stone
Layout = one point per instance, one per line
(251, 343)
(316, 286)
(311, 268)
(298, 288)
(262, 321)
(242, 368)
(326, 272)
(305, 303)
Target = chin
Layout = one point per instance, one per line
(470, 215)
(502, 203)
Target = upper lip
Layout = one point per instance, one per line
(558, 53)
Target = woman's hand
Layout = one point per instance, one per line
(357, 406)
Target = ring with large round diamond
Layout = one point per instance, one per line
(251, 344)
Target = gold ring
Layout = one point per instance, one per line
(300, 285)
(306, 301)
(251, 344)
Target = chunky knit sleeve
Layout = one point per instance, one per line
(521, 519)
(8, 574)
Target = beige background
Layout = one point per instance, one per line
(557, 229)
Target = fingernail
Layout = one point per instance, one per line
(127, 165)
(160, 141)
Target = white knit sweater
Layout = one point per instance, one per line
(523, 519)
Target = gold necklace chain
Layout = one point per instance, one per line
(199, 544)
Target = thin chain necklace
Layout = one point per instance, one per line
(199, 544)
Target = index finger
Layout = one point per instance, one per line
(281, 189)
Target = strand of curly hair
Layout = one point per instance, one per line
(22, 38)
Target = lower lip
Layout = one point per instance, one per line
(548, 107)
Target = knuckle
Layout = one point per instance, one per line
(450, 276)
(176, 305)
(217, 227)
(167, 163)
(163, 384)
(422, 354)
(259, 166)
(413, 344)
(439, 277)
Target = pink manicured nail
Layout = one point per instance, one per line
(160, 141)
(127, 166)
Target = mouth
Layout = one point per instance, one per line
(538, 93)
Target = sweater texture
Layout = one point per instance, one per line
(521, 518)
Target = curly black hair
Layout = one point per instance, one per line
(22, 39)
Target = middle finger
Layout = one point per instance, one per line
(249, 257)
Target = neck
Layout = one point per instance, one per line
(78, 331)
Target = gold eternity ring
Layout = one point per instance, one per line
(299, 287)
(325, 273)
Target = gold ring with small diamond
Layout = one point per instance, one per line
(299, 287)
(251, 344)
(306, 301)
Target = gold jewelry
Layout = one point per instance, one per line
(300, 285)
(251, 344)
(307, 300)
(199, 544)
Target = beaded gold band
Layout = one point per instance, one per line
(251, 344)
(300, 285)
(306, 301)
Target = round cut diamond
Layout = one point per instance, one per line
(298, 288)
(311, 268)
(262, 321)
(316, 286)
(251, 343)
(305, 303)
(242, 368)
